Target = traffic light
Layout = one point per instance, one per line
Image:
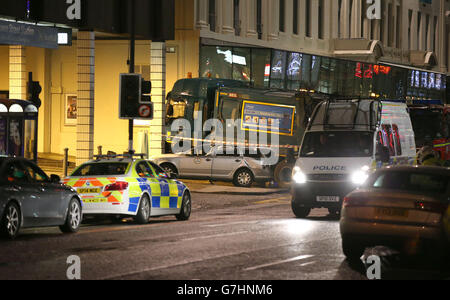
(135, 99)
(34, 89)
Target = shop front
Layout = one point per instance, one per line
(276, 69)
(18, 128)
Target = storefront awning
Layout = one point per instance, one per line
(359, 49)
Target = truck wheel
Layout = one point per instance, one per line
(283, 174)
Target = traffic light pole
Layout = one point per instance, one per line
(132, 23)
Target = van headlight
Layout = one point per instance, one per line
(298, 176)
(360, 177)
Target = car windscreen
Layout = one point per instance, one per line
(338, 144)
(101, 169)
(412, 182)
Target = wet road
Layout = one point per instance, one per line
(252, 238)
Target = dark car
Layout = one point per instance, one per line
(29, 198)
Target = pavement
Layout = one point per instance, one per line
(207, 187)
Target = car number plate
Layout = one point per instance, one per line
(392, 212)
(332, 199)
(89, 191)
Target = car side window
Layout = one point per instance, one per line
(158, 170)
(16, 173)
(36, 174)
(144, 170)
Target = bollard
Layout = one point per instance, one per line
(66, 161)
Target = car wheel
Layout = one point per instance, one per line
(74, 218)
(243, 178)
(301, 212)
(352, 249)
(143, 215)
(186, 208)
(170, 170)
(10, 223)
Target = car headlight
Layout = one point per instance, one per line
(359, 177)
(298, 176)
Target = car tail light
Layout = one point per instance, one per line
(118, 186)
(431, 206)
(353, 201)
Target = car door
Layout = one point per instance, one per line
(196, 166)
(50, 202)
(225, 163)
(170, 200)
(17, 186)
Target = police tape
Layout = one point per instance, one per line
(228, 143)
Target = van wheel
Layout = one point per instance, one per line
(301, 212)
(243, 178)
(10, 222)
(143, 215)
(283, 174)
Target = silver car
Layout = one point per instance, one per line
(221, 163)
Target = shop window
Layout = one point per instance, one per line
(294, 71)
(278, 71)
(242, 64)
(216, 62)
(261, 67)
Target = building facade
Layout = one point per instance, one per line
(397, 50)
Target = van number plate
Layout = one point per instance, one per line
(330, 199)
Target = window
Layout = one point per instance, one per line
(282, 16)
(101, 169)
(278, 72)
(237, 21)
(295, 17)
(412, 182)
(15, 173)
(308, 18)
(242, 64)
(158, 170)
(230, 109)
(144, 171)
(337, 144)
(389, 137)
(321, 19)
(175, 109)
(259, 26)
(36, 174)
(212, 15)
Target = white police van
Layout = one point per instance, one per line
(344, 141)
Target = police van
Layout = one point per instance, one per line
(344, 141)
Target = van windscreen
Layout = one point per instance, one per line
(338, 144)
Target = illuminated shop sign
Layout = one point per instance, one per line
(368, 70)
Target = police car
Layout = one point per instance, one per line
(124, 185)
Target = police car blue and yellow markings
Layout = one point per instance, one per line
(164, 193)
